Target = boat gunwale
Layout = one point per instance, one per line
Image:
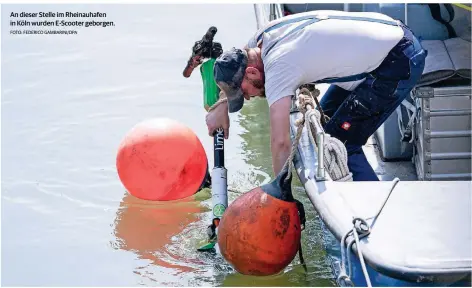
(411, 274)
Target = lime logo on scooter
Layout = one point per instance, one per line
(220, 138)
(219, 177)
(219, 210)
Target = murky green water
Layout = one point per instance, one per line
(68, 100)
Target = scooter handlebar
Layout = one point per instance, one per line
(202, 48)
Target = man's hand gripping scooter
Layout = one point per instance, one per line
(204, 53)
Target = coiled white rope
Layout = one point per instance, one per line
(335, 153)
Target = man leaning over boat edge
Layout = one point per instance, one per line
(372, 60)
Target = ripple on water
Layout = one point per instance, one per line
(63, 58)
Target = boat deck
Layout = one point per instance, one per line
(387, 171)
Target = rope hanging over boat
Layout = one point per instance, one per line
(359, 230)
(335, 161)
(335, 154)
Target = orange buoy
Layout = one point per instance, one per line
(259, 234)
(161, 159)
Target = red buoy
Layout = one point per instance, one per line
(259, 234)
(161, 159)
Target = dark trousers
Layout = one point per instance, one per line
(356, 115)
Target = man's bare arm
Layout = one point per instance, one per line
(280, 133)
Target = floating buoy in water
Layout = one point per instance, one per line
(259, 234)
(161, 159)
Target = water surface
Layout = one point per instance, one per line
(67, 102)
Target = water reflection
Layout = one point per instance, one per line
(295, 277)
(254, 118)
(147, 227)
(166, 235)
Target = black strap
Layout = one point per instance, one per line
(301, 214)
(436, 13)
(300, 255)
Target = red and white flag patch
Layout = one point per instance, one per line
(346, 126)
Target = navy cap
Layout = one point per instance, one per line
(229, 72)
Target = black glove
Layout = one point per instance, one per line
(203, 49)
(216, 50)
